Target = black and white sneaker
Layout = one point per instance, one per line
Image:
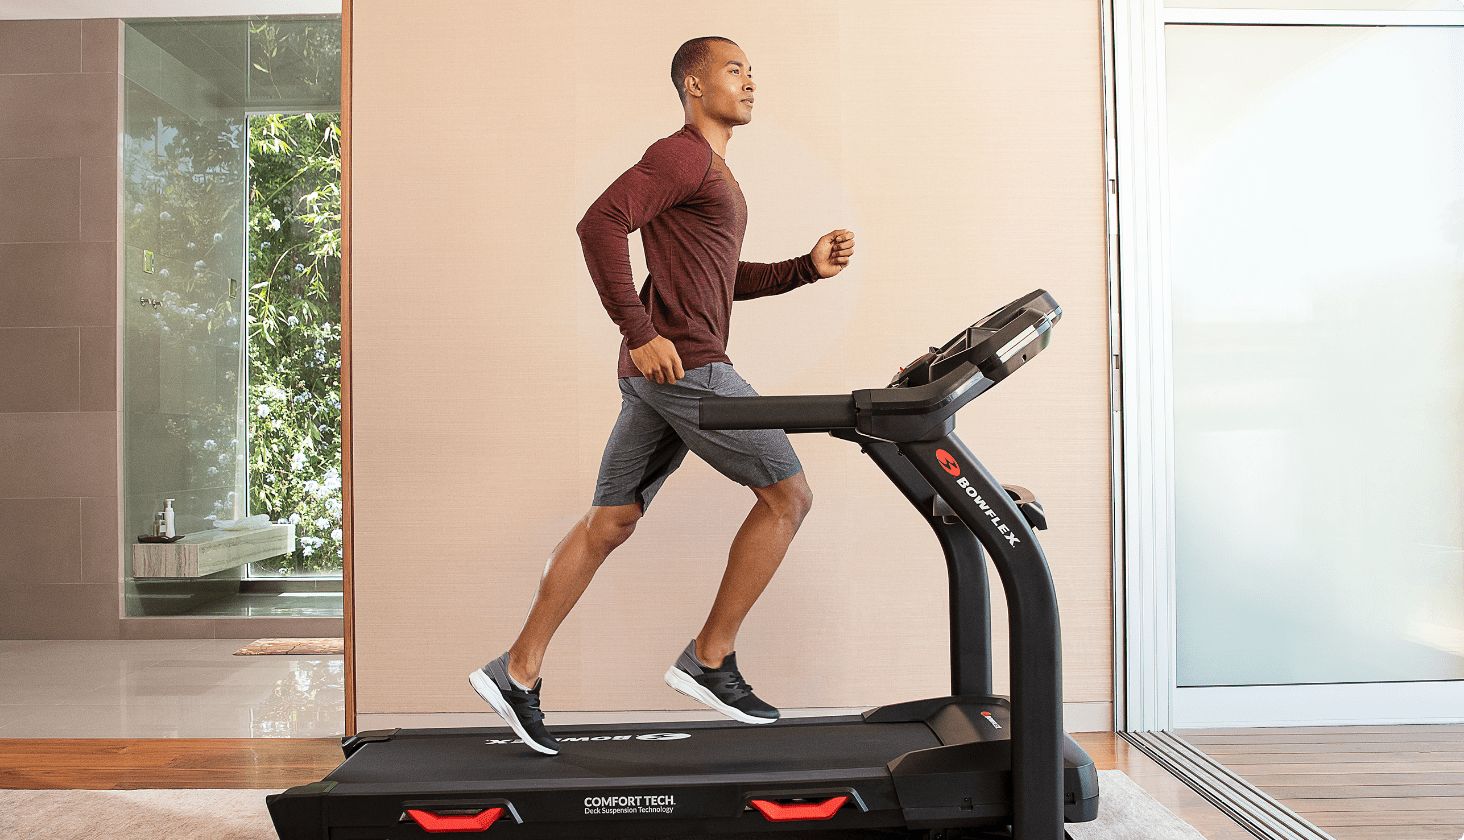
(515, 705)
(721, 688)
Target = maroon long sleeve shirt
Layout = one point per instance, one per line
(692, 217)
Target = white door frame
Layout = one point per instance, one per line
(1146, 697)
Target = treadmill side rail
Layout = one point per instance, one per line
(351, 743)
(923, 710)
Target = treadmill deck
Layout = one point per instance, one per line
(633, 754)
(938, 763)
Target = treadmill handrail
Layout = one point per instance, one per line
(812, 413)
(885, 413)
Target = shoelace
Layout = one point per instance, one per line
(731, 683)
(528, 705)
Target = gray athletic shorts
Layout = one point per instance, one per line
(657, 425)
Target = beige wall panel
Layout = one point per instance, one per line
(961, 141)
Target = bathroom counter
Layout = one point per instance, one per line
(207, 552)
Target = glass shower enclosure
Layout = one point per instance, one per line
(191, 85)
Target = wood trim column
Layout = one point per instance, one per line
(347, 490)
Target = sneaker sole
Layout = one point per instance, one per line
(488, 691)
(684, 684)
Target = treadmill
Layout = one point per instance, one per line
(971, 764)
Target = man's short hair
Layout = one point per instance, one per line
(691, 59)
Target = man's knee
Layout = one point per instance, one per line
(791, 498)
(609, 527)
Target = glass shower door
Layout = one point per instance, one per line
(191, 84)
(184, 316)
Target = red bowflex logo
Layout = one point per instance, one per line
(948, 462)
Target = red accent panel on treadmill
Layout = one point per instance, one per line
(456, 822)
(799, 810)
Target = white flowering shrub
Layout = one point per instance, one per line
(295, 335)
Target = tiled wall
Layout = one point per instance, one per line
(60, 87)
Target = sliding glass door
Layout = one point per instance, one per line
(1311, 266)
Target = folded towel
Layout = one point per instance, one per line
(245, 524)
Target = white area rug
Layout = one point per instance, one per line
(1127, 813)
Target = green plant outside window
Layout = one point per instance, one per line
(295, 335)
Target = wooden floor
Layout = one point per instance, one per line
(1363, 782)
(145, 763)
(1110, 752)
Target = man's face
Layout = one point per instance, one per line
(726, 85)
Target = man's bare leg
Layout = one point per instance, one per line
(756, 553)
(571, 567)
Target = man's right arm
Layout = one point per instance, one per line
(669, 173)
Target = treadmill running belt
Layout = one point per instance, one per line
(625, 751)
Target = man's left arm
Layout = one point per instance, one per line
(829, 257)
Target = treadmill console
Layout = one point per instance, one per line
(997, 344)
(921, 402)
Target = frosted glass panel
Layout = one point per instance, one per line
(1317, 220)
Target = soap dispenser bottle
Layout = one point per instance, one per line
(168, 519)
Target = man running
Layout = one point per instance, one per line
(692, 216)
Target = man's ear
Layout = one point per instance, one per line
(693, 86)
